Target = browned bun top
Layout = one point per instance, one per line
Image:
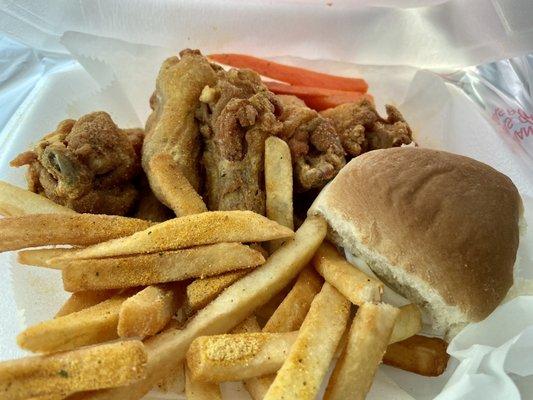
(445, 219)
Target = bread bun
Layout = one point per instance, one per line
(439, 228)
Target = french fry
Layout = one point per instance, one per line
(81, 300)
(233, 357)
(149, 311)
(367, 341)
(195, 390)
(288, 317)
(347, 279)
(40, 257)
(419, 354)
(308, 361)
(148, 269)
(190, 230)
(48, 397)
(92, 325)
(172, 188)
(173, 383)
(77, 229)
(89, 368)
(291, 313)
(167, 349)
(278, 184)
(266, 311)
(15, 202)
(408, 323)
(201, 292)
(249, 325)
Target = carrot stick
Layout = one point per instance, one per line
(323, 103)
(318, 98)
(292, 75)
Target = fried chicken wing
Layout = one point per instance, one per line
(316, 150)
(236, 115)
(172, 128)
(87, 165)
(360, 128)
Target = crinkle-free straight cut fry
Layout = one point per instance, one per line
(304, 369)
(278, 184)
(40, 257)
(81, 300)
(202, 291)
(232, 306)
(76, 229)
(347, 279)
(419, 354)
(149, 311)
(172, 187)
(191, 230)
(233, 357)
(408, 323)
(15, 201)
(95, 324)
(164, 266)
(197, 390)
(367, 340)
(96, 367)
(288, 317)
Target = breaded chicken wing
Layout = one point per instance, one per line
(360, 128)
(87, 165)
(172, 128)
(236, 115)
(316, 150)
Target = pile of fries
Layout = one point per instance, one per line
(172, 306)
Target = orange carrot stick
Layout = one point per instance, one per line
(292, 75)
(318, 98)
(323, 103)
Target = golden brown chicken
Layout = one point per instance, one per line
(172, 128)
(236, 116)
(87, 165)
(316, 150)
(361, 129)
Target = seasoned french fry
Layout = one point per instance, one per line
(288, 317)
(408, 323)
(40, 257)
(266, 311)
(234, 304)
(191, 230)
(15, 202)
(352, 283)
(48, 397)
(302, 372)
(278, 184)
(173, 383)
(291, 313)
(367, 341)
(149, 311)
(81, 300)
(147, 269)
(233, 357)
(172, 188)
(195, 390)
(249, 325)
(77, 229)
(419, 354)
(201, 292)
(92, 325)
(89, 368)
